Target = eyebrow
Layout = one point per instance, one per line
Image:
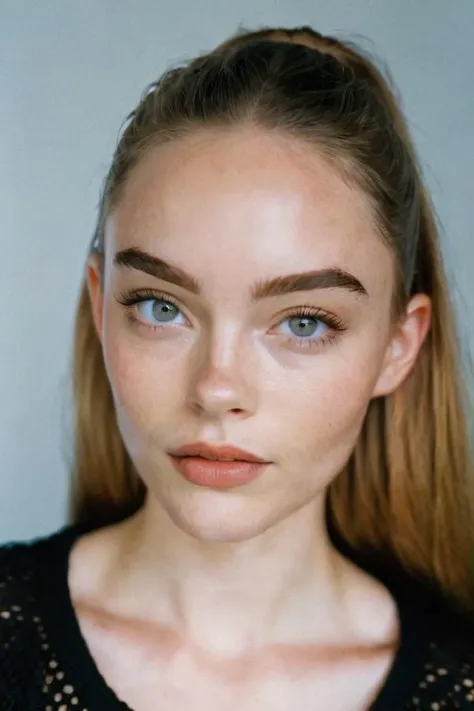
(330, 278)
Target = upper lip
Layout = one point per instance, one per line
(221, 452)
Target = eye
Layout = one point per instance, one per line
(308, 326)
(305, 327)
(154, 310)
(158, 311)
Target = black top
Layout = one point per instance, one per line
(45, 663)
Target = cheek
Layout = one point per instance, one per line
(147, 387)
(326, 409)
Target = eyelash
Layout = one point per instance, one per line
(335, 326)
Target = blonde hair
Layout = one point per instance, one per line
(405, 494)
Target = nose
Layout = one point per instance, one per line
(223, 380)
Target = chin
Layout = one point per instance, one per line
(214, 516)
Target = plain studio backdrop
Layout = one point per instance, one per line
(70, 71)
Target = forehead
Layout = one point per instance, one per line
(248, 203)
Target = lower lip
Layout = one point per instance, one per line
(218, 474)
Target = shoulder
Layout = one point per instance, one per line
(23, 568)
(19, 634)
(22, 633)
(446, 678)
(435, 660)
(18, 570)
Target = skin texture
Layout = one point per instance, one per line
(239, 591)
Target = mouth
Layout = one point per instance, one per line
(217, 466)
(217, 453)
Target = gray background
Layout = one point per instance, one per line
(69, 74)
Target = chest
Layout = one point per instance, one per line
(152, 670)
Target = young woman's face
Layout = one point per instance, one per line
(284, 373)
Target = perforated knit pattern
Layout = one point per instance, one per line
(33, 677)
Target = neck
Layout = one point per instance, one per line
(286, 584)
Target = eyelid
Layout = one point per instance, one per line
(140, 295)
(310, 310)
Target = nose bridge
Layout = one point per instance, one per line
(224, 369)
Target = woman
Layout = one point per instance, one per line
(271, 503)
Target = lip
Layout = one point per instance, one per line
(217, 466)
(224, 452)
(217, 474)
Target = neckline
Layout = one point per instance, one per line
(73, 653)
(63, 627)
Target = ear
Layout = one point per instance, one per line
(94, 279)
(407, 338)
